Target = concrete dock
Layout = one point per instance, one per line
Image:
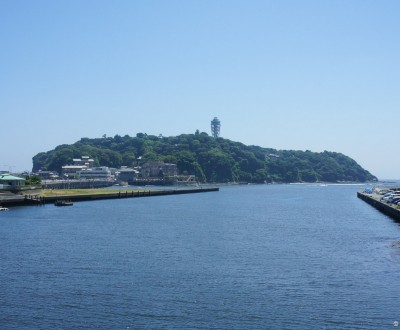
(374, 200)
(18, 200)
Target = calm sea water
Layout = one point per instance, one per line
(246, 257)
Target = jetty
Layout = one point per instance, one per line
(38, 199)
(374, 198)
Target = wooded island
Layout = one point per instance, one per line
(209, 159)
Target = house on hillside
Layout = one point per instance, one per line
(158, 169)
(84, 161)
(79, 165)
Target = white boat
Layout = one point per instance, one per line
(63, 203)
(3, 209)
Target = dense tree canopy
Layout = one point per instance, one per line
(210, 159)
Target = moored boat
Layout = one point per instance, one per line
(63, 203)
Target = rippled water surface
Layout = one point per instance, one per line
(246, 257)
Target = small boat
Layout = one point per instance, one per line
(63, 203)
(3, 208)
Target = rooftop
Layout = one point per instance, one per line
(9, 177)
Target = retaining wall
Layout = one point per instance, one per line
(385, 208)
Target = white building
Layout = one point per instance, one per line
(96, 173)
(84, 161)
(79, 165)
(8, 181)
(72, 171)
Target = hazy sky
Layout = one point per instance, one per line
(316, 75)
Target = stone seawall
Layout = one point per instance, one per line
(385, 208)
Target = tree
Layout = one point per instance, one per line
(33, 180)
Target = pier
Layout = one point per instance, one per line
(374, 200)
(18, 200)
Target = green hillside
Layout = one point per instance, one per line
(211, 160)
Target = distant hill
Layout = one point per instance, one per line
(211, 160)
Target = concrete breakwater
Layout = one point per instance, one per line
(385, 208)
(41, 200)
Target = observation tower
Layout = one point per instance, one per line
(215, 127)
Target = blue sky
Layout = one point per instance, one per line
(316, 75)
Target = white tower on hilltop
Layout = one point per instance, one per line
(215, 127)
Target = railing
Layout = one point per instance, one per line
(17, 189)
